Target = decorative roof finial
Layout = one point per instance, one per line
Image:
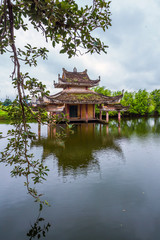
(74, 69)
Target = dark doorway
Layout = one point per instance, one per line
(73, 111)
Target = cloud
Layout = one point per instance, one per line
(132, 61)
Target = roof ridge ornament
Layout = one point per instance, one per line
(74, 69)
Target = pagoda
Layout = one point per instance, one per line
(77, 100)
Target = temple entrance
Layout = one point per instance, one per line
(73, 111)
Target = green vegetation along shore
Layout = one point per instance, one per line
(3, 115)
(142, 103)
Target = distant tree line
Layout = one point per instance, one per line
(6, 102)
(141, 102)
(3, 108)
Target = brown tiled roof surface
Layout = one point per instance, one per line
(83, 98)
(75, 78)
(116, 107)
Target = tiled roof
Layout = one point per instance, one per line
(75, 79)
(114, 107)
(83, 98)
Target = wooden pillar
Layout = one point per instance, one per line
(54, 131)
(39, 118)
(107, 129)
(80, 111)
(67, 110)
(119, 128)
(119, 116)
(107, 117)
(39, 130)
(100, 128)
(49, 122)
(49, 116)
(49, 131)
(93, 128)
(100, 115)
(94, 111)
(86, 112)
(54, 117)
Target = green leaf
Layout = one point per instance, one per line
(40, 207)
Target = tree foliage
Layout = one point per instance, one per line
(155, 96)
(103, 90)
(140, 103)
(61, 22)
(7, 102)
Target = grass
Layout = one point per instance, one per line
(3, 115)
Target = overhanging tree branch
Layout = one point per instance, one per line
(60, 21)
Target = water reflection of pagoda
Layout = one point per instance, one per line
(77, 100)
(77, 152)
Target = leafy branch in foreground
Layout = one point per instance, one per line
(17, 154)
(61, 22)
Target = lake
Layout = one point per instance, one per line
(103, 183)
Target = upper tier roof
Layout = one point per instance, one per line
(77, 79)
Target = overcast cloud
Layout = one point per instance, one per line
(133, 57)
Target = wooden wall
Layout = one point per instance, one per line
(83, 109)
(90, 111)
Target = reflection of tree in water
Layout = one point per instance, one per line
(156, 127)
(39, 228)
(140, 127)
(33, 172)
(75, 153)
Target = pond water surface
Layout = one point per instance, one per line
(103, 183)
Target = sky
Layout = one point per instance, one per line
(132, 60)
